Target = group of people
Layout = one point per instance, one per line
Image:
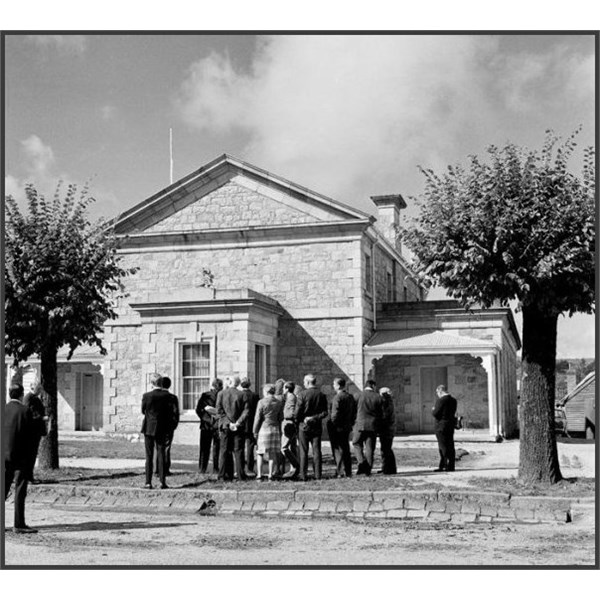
(248, 433)
(24, 425)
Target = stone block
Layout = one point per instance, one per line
(469, 507)
(376, 507)
(489, 511)
(258, 505)
(484, 519)
(439, 516)
(435, 506)
(277, 505)
(416, 514)
(397, 514)
(463, 518)
(295, 505)
(415, 503)
(523, 514)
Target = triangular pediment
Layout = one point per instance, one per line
(226, 194)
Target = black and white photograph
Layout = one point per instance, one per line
(299, 299)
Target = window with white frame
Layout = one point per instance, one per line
(194, 373)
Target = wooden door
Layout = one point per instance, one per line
(431, 377)
(90, 401)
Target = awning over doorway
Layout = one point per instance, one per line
(425, 341)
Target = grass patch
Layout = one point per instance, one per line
(572, 487)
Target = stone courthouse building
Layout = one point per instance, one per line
(301, 283)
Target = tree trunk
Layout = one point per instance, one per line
(538, 455)
(48, 453)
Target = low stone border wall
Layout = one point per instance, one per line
(438, 506)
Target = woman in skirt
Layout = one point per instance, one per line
(267, 430)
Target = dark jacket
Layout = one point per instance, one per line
(37, 412)
(208, 422)
(369, 411)
(388, 417)
(311, 403)
(251, 399)
(289, 407)
(343, 411)
(231, 408)
(157, 411)
(444, 412)
(174, 404)
(17, 433)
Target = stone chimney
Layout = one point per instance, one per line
(388, 216)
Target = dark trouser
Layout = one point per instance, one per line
(206, 437)
(366, 439)
(168, 442)
(340, 448)
(249, 451)
(151, 441)
(388, 460)
(289, 444)
(445, 440)
(35, 444)
(19, 475)
(305, 438)
(232, 442)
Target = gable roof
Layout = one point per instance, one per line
(173, 198)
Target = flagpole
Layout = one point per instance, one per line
(171, 152)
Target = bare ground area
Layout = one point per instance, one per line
(482, 465)
(87, 537)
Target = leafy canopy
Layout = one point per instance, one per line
(518, 226)
(62, 274)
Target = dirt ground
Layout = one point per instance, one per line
(87, 537)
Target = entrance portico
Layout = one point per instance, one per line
(417, 348)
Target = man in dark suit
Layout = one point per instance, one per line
(311, 409)
(339, 425)
(174, 405)
(18, 439)
(232, 412)
(206, 409)
(368, 421)
(387, 429)
(444, 413)
(156, 427)
(251, 399)
(34, 405)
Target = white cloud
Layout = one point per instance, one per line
(353, 116)
(39, 167)
(108, 112)
(68, 44)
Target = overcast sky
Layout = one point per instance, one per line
(348, 116)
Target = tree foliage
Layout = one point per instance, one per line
(62, 281)
(519, 225)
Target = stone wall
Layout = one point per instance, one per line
(231, 205)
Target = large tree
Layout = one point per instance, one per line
(62, 281)
(519, 225)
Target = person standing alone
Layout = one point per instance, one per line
(156, 427)
(444, 413)
(18, 439)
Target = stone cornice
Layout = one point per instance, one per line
(241, 237)
(226, 302)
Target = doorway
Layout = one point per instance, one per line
(431, 377)
(89, 402)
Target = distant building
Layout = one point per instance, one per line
(302, 283)
(579, 406)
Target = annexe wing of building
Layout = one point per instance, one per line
(228, 193)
